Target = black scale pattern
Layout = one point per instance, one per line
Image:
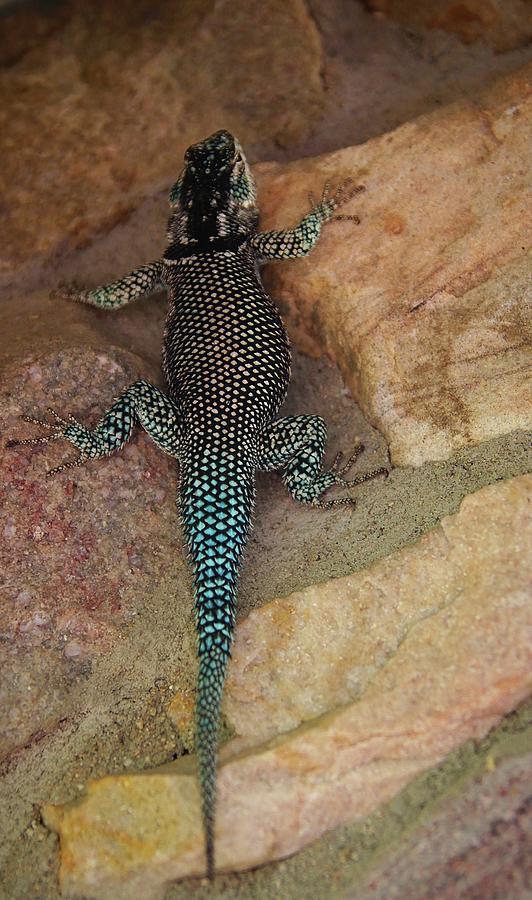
(227, 362)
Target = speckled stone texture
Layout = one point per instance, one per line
(451, 675)
(75, 574)
(426, 305)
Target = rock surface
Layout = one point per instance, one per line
(96, 111)
(343, 639)
(504, 23)
(476, 846)
(122, 97)
(426, 305)
(61, 608)
(454, 673)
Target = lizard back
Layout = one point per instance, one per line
(226, 355)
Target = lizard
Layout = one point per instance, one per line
(226, 362)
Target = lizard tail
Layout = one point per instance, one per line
(210, 684)
(216, 506)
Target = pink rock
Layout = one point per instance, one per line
(68, 586)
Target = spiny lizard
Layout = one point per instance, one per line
(226, 360)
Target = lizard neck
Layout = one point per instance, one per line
(179, 250)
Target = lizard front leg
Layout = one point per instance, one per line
(300, 240)
(117, 293)
(141, 403)
(296, 445)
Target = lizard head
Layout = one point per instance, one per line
(215, 194)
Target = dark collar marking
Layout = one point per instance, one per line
(180, 251)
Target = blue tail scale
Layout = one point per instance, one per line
(217, 495)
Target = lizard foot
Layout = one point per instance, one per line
(338, 471)
(331, 201)
(68, 290)
(57, 430)
(359, 479)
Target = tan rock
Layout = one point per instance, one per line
(100, 109)
(460, 599)
(426, 305)
(328, 645)
(504, 23)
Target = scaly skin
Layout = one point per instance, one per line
(226, 360)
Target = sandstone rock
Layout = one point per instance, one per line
(97, 108)
(331, 643)
(458, 666)
(426, 305)
(504, 23)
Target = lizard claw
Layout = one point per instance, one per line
(56, 432)
(366, 476)
(359, 479)
(338, 471)
(67, 290)
(328, 203)
(339, 501)
(64, 423)
(46, 439)
(71, 464)
(353, 218)
(352, 459)
(40, 422)
(346, 191)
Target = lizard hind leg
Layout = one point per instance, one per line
(141, 403)
(296, 445)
